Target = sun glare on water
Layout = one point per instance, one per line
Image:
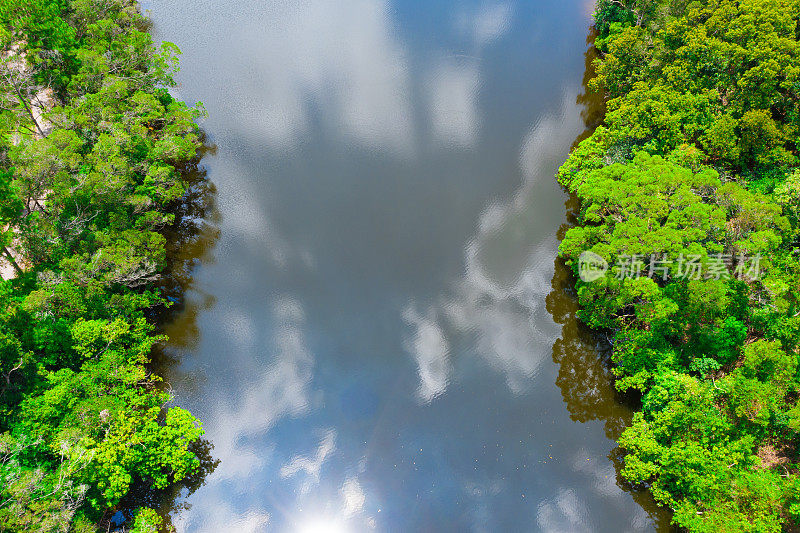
(322, 526)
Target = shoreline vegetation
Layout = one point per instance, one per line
(697, 160)
(96, 159)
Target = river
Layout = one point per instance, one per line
(376, 334)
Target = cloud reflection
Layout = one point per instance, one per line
(311, 465)
(454, 101)
(509, 264)
(295, 71)
(338, 55)
(602, 473)
(224, 519)
(281, 390)
(342, 65)
(564, 513)
(454, 80)
(485, 25)
(353, 496)
(430, 349)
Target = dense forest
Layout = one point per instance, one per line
(93, 154)
(690, 193)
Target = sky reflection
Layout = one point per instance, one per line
(378, 355)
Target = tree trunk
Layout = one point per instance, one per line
(10, 80)
(12, 261)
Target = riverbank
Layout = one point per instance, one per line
(88, 123)
(685, 253)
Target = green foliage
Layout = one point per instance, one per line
(698, 157)
(45, 29)
(724, 76)
(138, 445)
(758, 388)
(38, 499)
(661, 212)
(695, 460)
(147, 521)
(85, 192)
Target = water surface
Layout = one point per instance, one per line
(380, 337)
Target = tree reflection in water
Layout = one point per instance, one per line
(190, 241)
(583, 355)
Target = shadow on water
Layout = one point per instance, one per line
(190, 240)
(584, 377)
